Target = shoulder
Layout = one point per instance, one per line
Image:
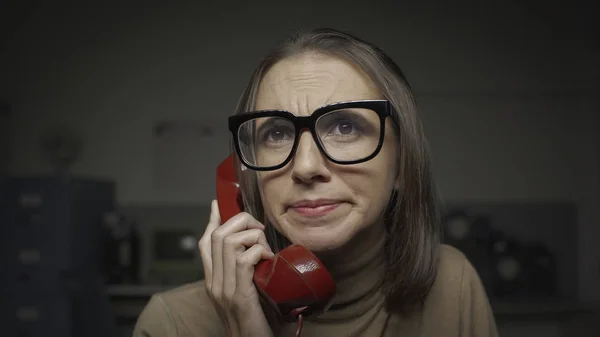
(453, 266)
(458, 296)
(455, 275)
(188, 296)
(452, 262)
(185, 311)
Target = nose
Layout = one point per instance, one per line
(308, 165)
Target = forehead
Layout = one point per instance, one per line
(303, 83)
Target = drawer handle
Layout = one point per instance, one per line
(29, 256)
(28, 314)
(30, 200)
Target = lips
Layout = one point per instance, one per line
(314, 203)
(315, 208)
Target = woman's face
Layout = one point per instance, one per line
(312, 201)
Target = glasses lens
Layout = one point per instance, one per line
(346, 135)
(266, 141)
(349, 134)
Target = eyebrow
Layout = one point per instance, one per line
(279, 108)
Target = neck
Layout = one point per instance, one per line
(358, 248)
(358, 270)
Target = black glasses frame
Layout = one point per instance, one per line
(383, 108)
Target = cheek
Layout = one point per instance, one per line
(270, 189)
(375, 186)
(379, 179)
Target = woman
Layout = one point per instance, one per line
(355, 188)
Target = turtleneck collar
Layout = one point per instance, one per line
(358, 284)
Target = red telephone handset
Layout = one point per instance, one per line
(294, 283)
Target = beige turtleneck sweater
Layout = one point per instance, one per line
(456, 306)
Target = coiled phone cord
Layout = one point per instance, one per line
(299, 322)
(299, 319)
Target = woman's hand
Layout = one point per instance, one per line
(229, 253)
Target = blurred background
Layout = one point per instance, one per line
(113, 120)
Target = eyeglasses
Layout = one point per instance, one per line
(346, 133)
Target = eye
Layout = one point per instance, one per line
(278, 134)
(342, 124)
(344, 128)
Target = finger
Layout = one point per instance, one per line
(234, 245)
(240, 222)
(204, 244)
(214, 220)
(245, 263)
(245, 239)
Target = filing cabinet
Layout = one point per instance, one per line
(50, 241)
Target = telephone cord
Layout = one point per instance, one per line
(299, 322)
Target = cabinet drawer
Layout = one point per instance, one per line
(30, 252)
(40, 211)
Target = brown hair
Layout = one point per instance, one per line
(412, 246)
